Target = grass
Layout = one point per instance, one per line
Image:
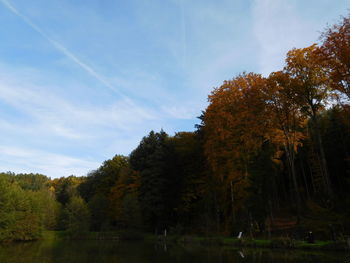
(281, 242)
(107, 235)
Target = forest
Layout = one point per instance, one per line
(270, 156)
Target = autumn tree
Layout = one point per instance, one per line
(336, 51)
(286, 122)
(65, 188)
(124, 203)
(102, 179)
(96, 189)
(235, 127)
(311, 89)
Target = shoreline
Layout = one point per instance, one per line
(273, 243)
(279, 243)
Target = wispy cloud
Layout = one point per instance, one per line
(58, 137)
(141, 65)
(23, 160)
(279, 27)
(184, 34)
(88, 69)
(67, 119)
(270, 20)
(184, 111)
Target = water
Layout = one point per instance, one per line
(143, 252)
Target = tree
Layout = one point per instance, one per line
(152, 161)
(78, 217)
(34, 182)
(336, 51)
(19, 213)
(47, 207)
(104, 178)
(131, 213)
(311, 89)
(189, 167)
(336, 140)
(235, 127)
(99, 207)
(65, 188)
(262, 171)
(124, 203)
(235, 123)
(96, 190)
(286, 122)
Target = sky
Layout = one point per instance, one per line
(84, 80)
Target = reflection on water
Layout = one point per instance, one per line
(113, 251)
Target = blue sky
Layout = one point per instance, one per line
(83, 80)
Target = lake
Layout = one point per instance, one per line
(143, 252)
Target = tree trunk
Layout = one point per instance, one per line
(233, 207)
(326, 179)
(305, 181)
(290, 158)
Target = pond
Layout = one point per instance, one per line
(143, 252)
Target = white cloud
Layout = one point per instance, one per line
(184, 111)
(281, 25)
(57, 115)
(46, 122)
(22, 160)
(60, 47)
(278, 27)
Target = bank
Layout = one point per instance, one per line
(277, 242)
(281, 242)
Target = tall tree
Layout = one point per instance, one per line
(311, 92)
(336, 51)
(189, 167)
(124, 203)
(235, 127)
(100, 181)
(286, 123)
(152, 159)
(78, 217)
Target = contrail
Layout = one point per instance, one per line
(183, 29)
(65, 51)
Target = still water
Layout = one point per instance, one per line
(141, 252)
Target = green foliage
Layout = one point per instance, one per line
(101, 180)
(49, 208)
(96, 191)
(34, 182)
(131, 213)
(66, 187)
(189, 166)
(157, 182)
(99, 210)
(19, 212)
(77, 217)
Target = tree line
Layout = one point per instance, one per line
(270, 153)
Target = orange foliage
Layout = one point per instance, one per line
(236, 124)
(336, 51)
